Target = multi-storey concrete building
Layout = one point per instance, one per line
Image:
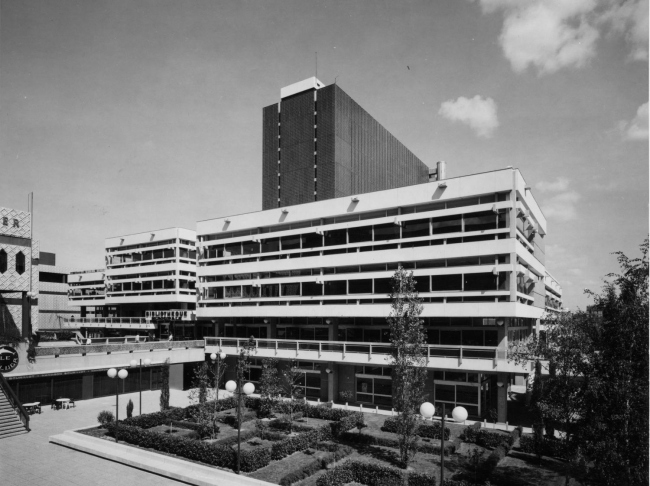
(147, 288)
(318, 143)
(53, 294)
(18, 273)
(311, 282)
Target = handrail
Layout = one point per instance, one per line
(13, 400)
(459, 352)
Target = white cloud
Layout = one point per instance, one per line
(548, 35)
(479, 113)
(637, 128)
(561, 184)
(561, 203)
(630, 19)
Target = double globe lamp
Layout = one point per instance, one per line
(122, 374)
(459, 414)
(247, 389)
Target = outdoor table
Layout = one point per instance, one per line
(63, 402)
(32, 407)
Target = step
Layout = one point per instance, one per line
(11, 430)
(12, 434)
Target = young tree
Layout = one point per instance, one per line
(596, 390)
(164, 386)
(293, 386)
(408, 361)
(201, 381)
(270, 386)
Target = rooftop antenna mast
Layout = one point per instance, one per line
(316, 64)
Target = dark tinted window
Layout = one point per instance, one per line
(359, 235)
(446, 282)
(388, 231)
(360, 286)
(413, 229)
(449, 224)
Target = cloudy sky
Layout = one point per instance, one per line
(127, 116)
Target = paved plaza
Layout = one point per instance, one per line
(30, 460)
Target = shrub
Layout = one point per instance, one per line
(394, 443)
(213, 454)
(316, 465)
(105, 418)
(232, 419)
(493, 459)
(373, 475)
(346, 396)
(489, 439)
(203, 430)
(430, 431)
(252, 460)
(154, 419)
(129, 409)
(296, 443)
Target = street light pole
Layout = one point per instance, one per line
(122, 374)
(442, 447)
(247, 389)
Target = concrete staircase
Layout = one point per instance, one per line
(10, 423)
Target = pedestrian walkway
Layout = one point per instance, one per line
(30, 460)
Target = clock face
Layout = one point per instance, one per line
(8, 358)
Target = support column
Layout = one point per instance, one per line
(333, 327)
(502, 397)
(333, 381)
(273, 328)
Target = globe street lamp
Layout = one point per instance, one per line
(247, 389)
(217, 359)
(133, 364)
(459, 414)
(427, 410)
(122, 374)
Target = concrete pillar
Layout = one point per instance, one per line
(273, 328)
(176, 376)
(502, 337)
(502, 397)
(333, 329)
(87, 387)
(83, 312)
(333, 382)
(26, 314)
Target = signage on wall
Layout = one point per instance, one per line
(8, 359)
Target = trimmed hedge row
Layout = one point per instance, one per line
(232, 419)
(154, 419)
(367, 439)
(373, 475)
(299, 442)
(487, 438)
(213, 454)
(229, 441)
(316, 465)
(430, 431)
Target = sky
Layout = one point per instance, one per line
(128, 116)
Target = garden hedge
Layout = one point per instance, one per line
(489, 438)
(299, 442)
(316, 465)
(356, 438)
(373, 475)
(213, 454)
(430, 431)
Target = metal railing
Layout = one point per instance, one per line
(14, 402)
(106, 320)
(459, 352)
(112, 345)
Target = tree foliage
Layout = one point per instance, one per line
(270, 386)
(596, 390)
(407, 360)
(164, 386)
(293, 381)
(201, 390)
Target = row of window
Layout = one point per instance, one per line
(379, 321)
(19, 262)
(152, 285)
(99, 283)
(375, 267)
(464, 337)
(151, 255)
(418, 208)
(425, 283)
(142, 245)
(373, 233)
(358, 300)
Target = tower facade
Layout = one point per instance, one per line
(318, 144)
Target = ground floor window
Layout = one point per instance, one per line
(374, 385)
(453, 394)
(310, 381)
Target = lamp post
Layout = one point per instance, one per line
(427, 410)
(122, 374)
(247, 389)
(133, 364)
(217, 359)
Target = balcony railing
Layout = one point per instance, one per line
(112, 347)
(431, 351)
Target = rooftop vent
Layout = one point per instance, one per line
(439, 173)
